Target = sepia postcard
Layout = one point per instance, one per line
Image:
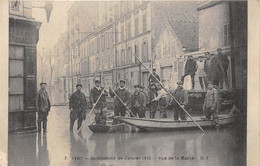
(125, 83)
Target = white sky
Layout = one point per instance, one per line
(50, 32)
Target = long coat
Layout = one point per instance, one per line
(214, 70)
(139, 99)
(190, 67)
(124, 96)
(78, 101)
(181, 96)
(94, 95)
(42, 101)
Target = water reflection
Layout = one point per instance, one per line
(43, 153)
(60, 147)
(77, 149)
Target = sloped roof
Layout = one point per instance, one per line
(174, 10)
(187, 32)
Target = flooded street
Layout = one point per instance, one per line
(59, 147)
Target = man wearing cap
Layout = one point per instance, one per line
(161, 98)
(223, 63)
(152, 78)
(211, 103)
(206, 67)
(43, 106)
(124, 95)
(181, 96)
(190, 69)
(214, 72)
(78, 107)
(152, 93)
(201, 74)
(101, 105)
(138, 102)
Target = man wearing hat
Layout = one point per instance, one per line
(223, 63)
(78, 107)
(124, 95)
(201, 73)
(152, 93)
(206, 67)
(138, 102)
(181, 95)
(211, 103)
(161, 99)
(152, 78)
(190, 69)
(101, 105)
(43, 106)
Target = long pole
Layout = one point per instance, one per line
(122, 102)
(91, 110)
(169, 93)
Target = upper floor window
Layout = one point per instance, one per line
(122, 33)
(103, 42)
(144, 23)
(136, 52)
(144, 51)
(122, 56)
(226, 35)
(129, 30)
(136, 26)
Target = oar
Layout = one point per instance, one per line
(122, 102)
(168, 92)
(91, 110)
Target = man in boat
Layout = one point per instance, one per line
(100, 107)
(152, 78)
(138, 102)
(78, 107)
(181, 95)
(211, 103)
(43, 107)
(161, 98)
(124, 95)
(190, 69)
(152, 93)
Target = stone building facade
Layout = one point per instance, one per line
(23, 39)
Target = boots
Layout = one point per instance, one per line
(39, 127)
(71, 125)
(79, 123)
(44, 127)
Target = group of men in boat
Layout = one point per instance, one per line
(135, 104)
(212, 71)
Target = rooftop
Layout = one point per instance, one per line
(187, 32)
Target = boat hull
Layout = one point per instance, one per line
(170, 124)
(108, 128)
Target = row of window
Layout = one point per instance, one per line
(126, 57)
(102, 42)
(128, 30)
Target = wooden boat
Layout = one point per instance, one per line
(170, 124)
(108, 127)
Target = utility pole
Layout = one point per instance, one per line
(233, 79)
(115, 46)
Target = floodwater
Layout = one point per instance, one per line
(59, 147)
